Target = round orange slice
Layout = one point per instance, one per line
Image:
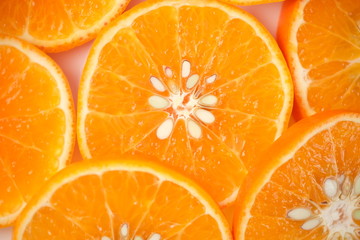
(309, 184)
(56, 26)
(127, 199)
(199, 85)
(321, 41)
(37, 131)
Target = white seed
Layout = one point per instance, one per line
(357, 185)
(173, 87)
(157, 84)
(192, 81)
(346, 187)
(105, 238)
(205, 115)
(138, 238)
(168, 72)
(158, 102)
(356, 214)
(185, 69)
(341, 178)
(154, 236)
(299, 214)
(342, 196)
(165, 129)
(194, 129)
(348, 236)
(330, 187)
(209, 100)
(211, 79)
(311, 224)
(335, 236)
(124, 230)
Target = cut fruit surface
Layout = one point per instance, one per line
(37, 131)
(309, 184)
(199, 85)
(250, 2)
(127, 199)
(321, 42)
(56, 26)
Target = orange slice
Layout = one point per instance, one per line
(321, 41)
(250, 2)
(309, 184)
(37, 132)
(127, 199)
(199, 85)
(56, 26)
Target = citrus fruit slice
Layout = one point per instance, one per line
(309, 184)
(56, 26)
(250, 2)
(199, 85)
(321, 42)
(131, 199)
(37, 131)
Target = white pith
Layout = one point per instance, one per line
(339, 214)
(65, 104)
(299, 71)
(193, 110)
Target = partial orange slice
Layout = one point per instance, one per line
(199, 85)
(56, 26)
(321, 41)
(250, 2)
(37, 132)
(121, 200)
(309, 184)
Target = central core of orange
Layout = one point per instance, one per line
(338, 216)
(182, 105)
(341, 215)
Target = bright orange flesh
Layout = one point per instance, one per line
(36, 123)
(252, 88)
(321, 42)
(250, 2)
(57, 26)
(293, 174)
(146, 197)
